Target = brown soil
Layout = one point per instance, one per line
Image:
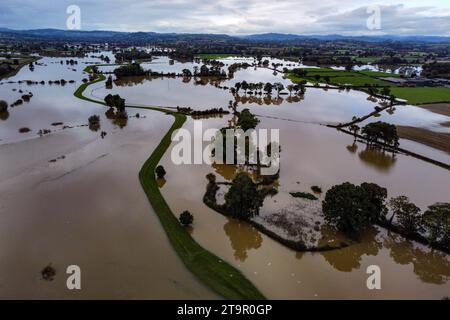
(441, 108)
(438, 140)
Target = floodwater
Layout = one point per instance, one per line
(86, 206)
(409, 270)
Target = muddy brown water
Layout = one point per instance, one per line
(88, 208)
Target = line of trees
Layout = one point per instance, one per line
(351, 208)
(267, 88)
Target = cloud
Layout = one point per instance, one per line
(233, 16)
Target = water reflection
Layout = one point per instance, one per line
(348, 259)
(431, 266)
(4, 115)
(120, 119)
(374, 157)
(243, 237)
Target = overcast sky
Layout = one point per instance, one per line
(406, 17)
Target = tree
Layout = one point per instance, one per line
(355, 129)
(115, 101)
(243, 200)
(268, 88)
(436, 222)
(351, 208)
(94, 122)
(290, 88)
(186, 218)
(246, 120)
(237, 85)
(244, 86)
(278, 87)
(160, 172)
(3, 106)
(376, 131)
(407, 213)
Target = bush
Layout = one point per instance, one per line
(24, 130)
(3, 106)
(94, 122)
(316, 189)
(160, 172)
(94, 119)
(186, 218)
(304, 195)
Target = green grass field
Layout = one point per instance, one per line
(219, 275)
(421, 95)
(343, 77)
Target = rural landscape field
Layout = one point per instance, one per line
(215, 153)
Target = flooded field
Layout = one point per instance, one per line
(329, 275)
(73, 197)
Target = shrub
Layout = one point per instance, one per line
(304, 195)
(24, 130)
(186, 218)
(3, 106)
(160, 172)
(316, 189)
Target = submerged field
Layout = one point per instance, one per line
(131, 245)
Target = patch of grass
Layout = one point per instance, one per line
(342, 77)
(420, 95)
(215, 273)
(304, 195)
(358, 80)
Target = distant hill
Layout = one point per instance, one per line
(333, 37)
(100, 35)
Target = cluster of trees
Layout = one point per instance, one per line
(236, 66)
(205, 71)
(131, 55)
(258, 88)
(244, 197)
(70, 62)
(380, 132)
(351, 208)
(133, 69)
(200, 113)
(247, 120)
(436, 69)
(116, 101)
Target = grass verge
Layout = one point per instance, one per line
(220, 276)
